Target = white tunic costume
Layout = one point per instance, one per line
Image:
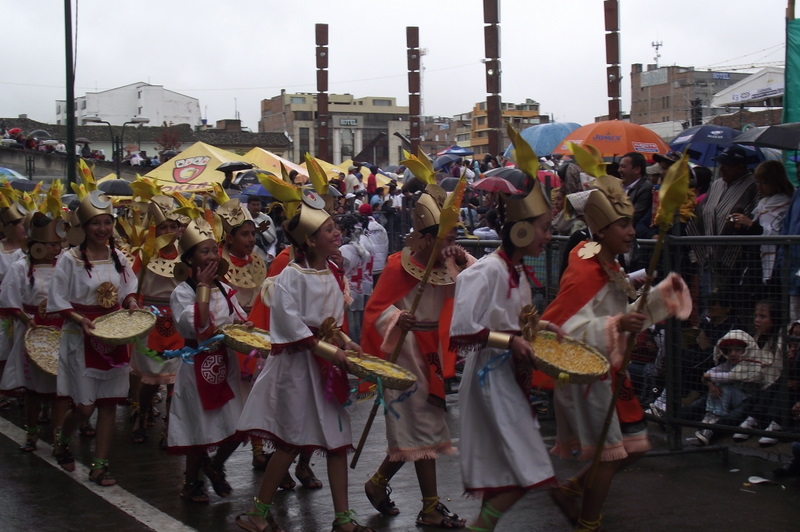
(190, 425)
(73, 285)
(290, 402)
(501, 446)
(7, 258)
(16, 292)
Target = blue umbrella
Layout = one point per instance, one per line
(456, 150)
(256, 189)
(545, 138)
(707, 141)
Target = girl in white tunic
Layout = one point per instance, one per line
(502, 452)
(91, 280)
(207, 399)
(23, 295)
(12, 248)
(298, 399)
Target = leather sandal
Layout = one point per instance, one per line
(103, 478)
(343, 518)
(62, 453)
(306, 476)
(216, 475)
(448, 520)
(568, 501)
(87, 431)
(244, 522)
(384, 505)
(193, 491)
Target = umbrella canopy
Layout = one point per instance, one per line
(444, 160)
(234, 166)
(10, 175)
(449, 183)
(456, 150)
(192, 170)
(116, 187)
(497, 183)
(780, 136)
(545, 138)
(707, 141)
(614, 138)
(266, 160)
(256, 189)
(25, 185)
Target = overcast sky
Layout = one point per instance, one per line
(231, 55)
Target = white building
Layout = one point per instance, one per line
(119, 105)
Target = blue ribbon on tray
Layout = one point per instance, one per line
(187, 353)
(495, 362)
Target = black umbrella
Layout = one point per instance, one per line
(513, 175)
(116, 187)
(444, 160)
(780, 136)
(24, 185)
(234, 166)
(245, 179)
(449, 183)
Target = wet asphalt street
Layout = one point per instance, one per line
(673, 492)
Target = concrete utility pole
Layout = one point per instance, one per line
(323, 119)
(414, 85)
(491, 38)
(72, 171)
(611, 9)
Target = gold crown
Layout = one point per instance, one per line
(13, 213)
(233, 214)
(94, 204)
(428, 208)
(162, 208)
(606, 204)
(45, 229)
(198, 230)
(529, 206)
(311, 219)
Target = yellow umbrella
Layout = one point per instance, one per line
(193, 169)
(266, 160)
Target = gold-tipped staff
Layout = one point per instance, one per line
(447, 221)
(671, 196)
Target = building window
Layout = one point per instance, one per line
(58, 109)
(140, 95)
(481, 121)
(665, 102)
(382, 102)
(297, 99)
(303, 140)
(303, 115)
(83, 104)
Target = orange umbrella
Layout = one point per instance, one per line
(614, 138)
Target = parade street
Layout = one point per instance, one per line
(688, 491)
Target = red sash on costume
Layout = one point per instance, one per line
(211, 373)
(334, 379)
(52, 319)
(428, 342)
(629, 410)
(164, 336)
(97, 355)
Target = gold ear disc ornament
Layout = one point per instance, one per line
(522, 234)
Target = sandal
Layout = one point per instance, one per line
(103, 478)
(216, 475)
(139, 435)
(567, 498)
(62, 453)
(87, 431)
(449, 519)
(489, 515)
(385, 505)
(307, 479)
(244, 522)
(28, 447)
(193, 492)
(589, 526)
(260, 461)
(343, 518)
(32, 434)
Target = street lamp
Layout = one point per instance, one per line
(116, 141)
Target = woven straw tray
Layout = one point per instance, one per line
(244, 340)
(123, 327)
(370, 368)
(42, 344)
(570, 361)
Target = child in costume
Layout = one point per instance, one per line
(23, 295)
(91, 280)
(502, 451)
(12, 248)
(416, 430)
(156, 284)
(298, 398)
(592, 305)
(207, 398)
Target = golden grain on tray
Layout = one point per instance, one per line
(568, 360)
(249, 338)
(371, 368)
(122, 326)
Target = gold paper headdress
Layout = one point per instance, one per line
(606, 204)
(310, 203)
(198, 230)
(10, 208)
(47, 223)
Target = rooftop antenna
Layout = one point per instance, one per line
(422, 53)
(657, 45)
(235, 109)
